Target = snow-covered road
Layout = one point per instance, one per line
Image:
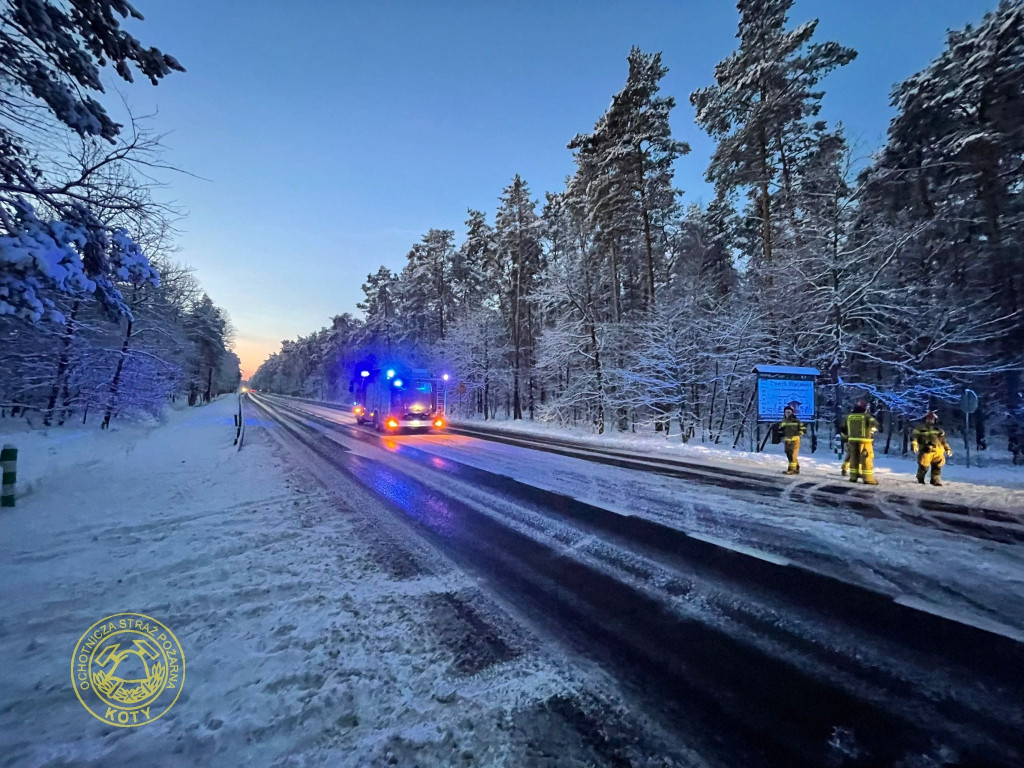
(437, 600)
(980, 579)
(625, 567)
(312, 636)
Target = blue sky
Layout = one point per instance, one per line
(330, 135)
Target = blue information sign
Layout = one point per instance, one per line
(774, 394)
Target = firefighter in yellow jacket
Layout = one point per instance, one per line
(859, 430)
(929, 442)
(791, 429)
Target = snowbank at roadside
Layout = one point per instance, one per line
(995, 483)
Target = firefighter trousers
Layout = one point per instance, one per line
(862, 461)
(930, 458)
(792, 445)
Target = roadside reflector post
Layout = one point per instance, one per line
(9, 464)
(239, 423)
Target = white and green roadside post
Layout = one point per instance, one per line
(9, 464)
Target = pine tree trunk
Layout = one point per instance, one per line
(531, 384)
(62, 365)
(648, 240)
(616, 301)
(115, 383)
(487, 369)
(65, 400)
(599, 419)
(766, 213)
(517, 407)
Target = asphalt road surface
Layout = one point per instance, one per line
(759, 623)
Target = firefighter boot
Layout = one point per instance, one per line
(921, 472)
(936, 476)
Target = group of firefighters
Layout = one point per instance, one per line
(857, 432)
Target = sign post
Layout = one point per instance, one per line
(968, 404)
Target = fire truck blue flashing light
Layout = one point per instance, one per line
(391, 373)
(445, 377)
(398, 382)
(364, 374)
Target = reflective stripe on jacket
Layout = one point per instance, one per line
(860, 427)
(792, 428)
(929, 437)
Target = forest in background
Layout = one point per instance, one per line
(96, 317)
(612, 304)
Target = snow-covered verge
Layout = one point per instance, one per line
(306, 640)
(994, 481)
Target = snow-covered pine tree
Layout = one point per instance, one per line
(632, 151)
(428, 301)
(761, 113)
(209, 330)
(951, 171)
(381, 326)
(516, 262)
(468, 274)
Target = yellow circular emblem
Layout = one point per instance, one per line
(128, 669)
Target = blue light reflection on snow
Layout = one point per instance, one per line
(255, 421)
(416, 502)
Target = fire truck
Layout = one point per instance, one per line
(396, 399)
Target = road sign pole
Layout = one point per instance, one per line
(967, 442)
